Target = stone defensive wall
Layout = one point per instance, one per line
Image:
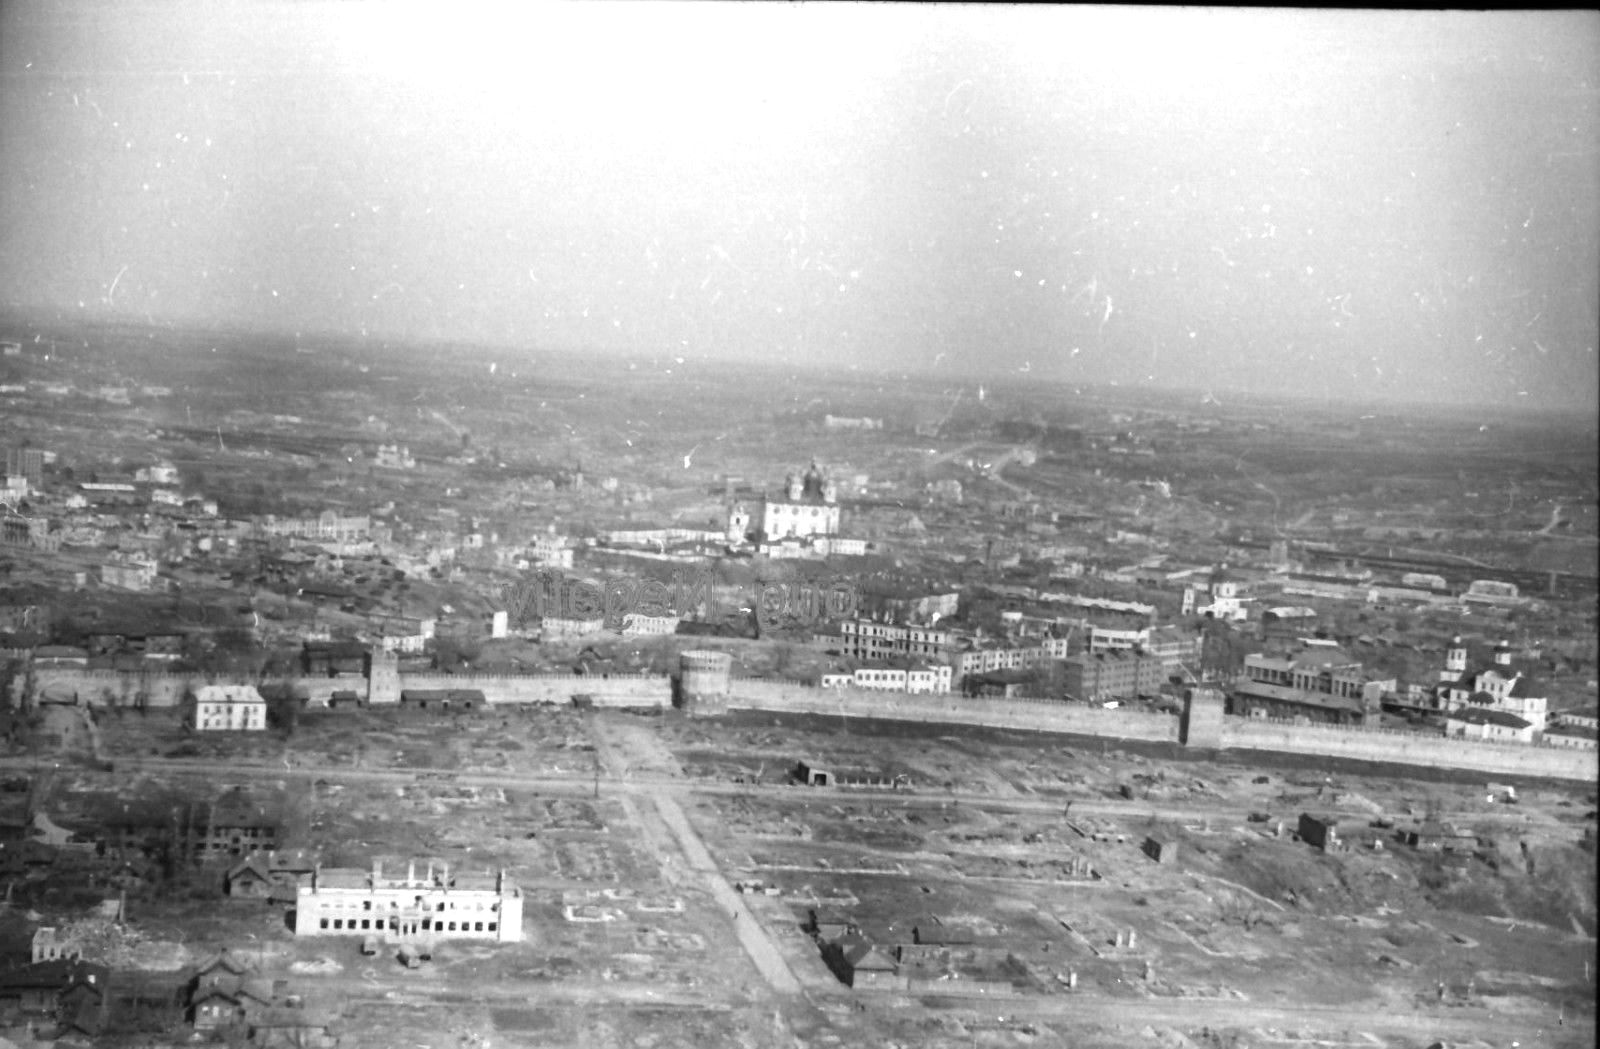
(109, 688)
(1387, 745)
(1044, 715)
(102, 688)
(1039, 715)
(318, 691)
(112, 688)
(612, 690)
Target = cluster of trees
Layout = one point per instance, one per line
(452, 654)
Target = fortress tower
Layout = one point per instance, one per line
(703, 682)
(1455, 660)
(1202, 718)
(383, 677)
(738, 523)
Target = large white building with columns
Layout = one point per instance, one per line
(431, 905)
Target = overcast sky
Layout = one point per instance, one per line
(1340, 204)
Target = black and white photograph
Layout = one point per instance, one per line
(709, 524)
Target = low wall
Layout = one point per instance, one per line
(961, 988)
(1038, 715)
(1410, 749)
(616, 690)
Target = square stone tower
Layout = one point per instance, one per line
(1201, 725)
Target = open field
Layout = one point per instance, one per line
(630, 836)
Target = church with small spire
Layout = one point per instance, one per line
(1503, 684)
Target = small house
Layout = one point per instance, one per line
(830, 925)
(813, 775)
(284, 1027)
(1438, 836)
(1162, 850)
(248, 879)
(83, 1003)
(1320, 832)
(424, 699)
(858, 963)
(49, 945)
(36, 992)
(221, 999)
(343, 699)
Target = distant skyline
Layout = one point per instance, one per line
(1344, 205)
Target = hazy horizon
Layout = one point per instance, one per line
(1364, 206)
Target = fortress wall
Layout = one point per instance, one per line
(1039, 715)
(1410, 749)
(109, 688)
(319, 690)
(112, 688)
(615, 690)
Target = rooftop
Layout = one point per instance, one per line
(1485, 716)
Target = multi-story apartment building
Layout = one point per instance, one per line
(402, 633)
(326, 525)
(1175, 647)
(863, 639)
(130, 573)
(232, 826)
(909, 604)
(229, 708)
(19, 530)
(638, 624)
(987, 659)
(1095, 677)
(922, 679)
(550, 551)
(26, 462)
(1103, 639)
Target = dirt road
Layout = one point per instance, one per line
(762, 951)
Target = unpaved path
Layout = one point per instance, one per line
(762, 951)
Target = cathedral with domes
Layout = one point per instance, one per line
(808, 507)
